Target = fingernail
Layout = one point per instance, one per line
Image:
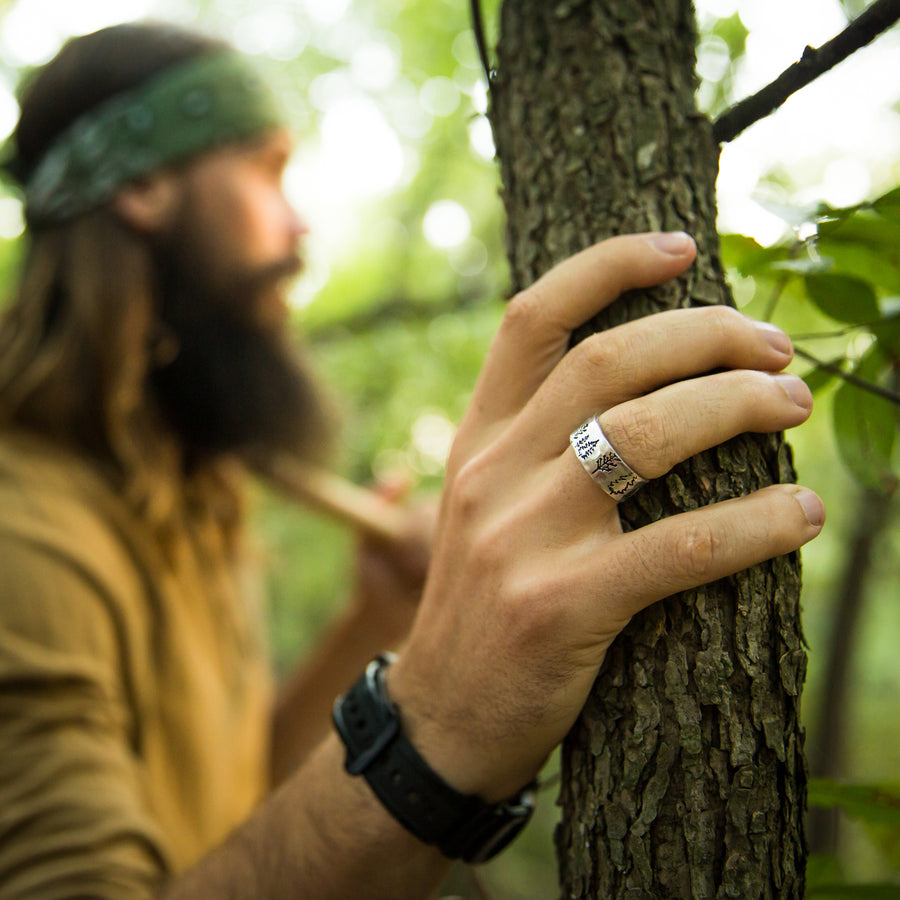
(673, 243)
(776, 337)
(813, 508)
(796, 389)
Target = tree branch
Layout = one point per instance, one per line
(480, 41)
(828, 335)
(880, 16)
(774, 297)
(849, 377)
(397, 308)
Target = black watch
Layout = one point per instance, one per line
(461, 826)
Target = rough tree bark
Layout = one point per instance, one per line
(684, 777)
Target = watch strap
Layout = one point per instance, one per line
(462, 826)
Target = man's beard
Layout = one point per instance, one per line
(235, 385)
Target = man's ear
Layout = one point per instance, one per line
(149, 204)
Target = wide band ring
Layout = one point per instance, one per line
(602, 463)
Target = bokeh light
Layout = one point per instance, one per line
(439, 96)
(446, 224)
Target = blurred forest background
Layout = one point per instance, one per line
(406, 278)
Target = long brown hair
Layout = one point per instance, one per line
(77, 338)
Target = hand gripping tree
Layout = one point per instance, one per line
(685, 776)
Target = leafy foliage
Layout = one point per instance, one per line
(854, 891)
(877, 807)
(875, 804)
(843, 283)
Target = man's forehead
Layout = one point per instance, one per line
(275, 142)
(280, 140)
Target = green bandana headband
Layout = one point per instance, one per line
(184, 111)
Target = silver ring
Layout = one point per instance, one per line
(602, 463)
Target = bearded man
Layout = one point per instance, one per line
(143, 358)
(144, 351)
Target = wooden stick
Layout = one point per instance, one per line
(361, 509)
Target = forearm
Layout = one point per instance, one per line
(322, 834)
(302, 715)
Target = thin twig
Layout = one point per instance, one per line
(403, 308)
(880, 16)
(481, 41)
(775, 296)
(827, 335)
(849, 377)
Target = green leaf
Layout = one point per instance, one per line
(736, 246)
(887, 331)
(888, 205)
(819, 377)
(865, 245)
(825, 213)
(862, 228)
(879, 267)
(875, 806)
(823, 871)
(855, 892)
(748, 257)
(862, 225)
(734, 32)
(843, 297)
(874, 803)
(865, 426)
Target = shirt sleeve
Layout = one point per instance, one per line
(73, 822)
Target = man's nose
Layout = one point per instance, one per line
(297, 223)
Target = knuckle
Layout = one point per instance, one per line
(488, 554)
(520, 603)
(524, 312)
(721, 321)
(642, 435)
(468, 490)
(754, 392)
(696, 551)
(601, 357)
(751, 381)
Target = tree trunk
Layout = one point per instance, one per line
(684, 777)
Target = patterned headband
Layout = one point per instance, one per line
(184, 111)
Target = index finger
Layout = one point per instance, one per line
(535, 331)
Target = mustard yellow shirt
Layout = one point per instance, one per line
(134, 696)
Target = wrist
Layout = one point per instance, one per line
(462, 825)
(472, 759)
